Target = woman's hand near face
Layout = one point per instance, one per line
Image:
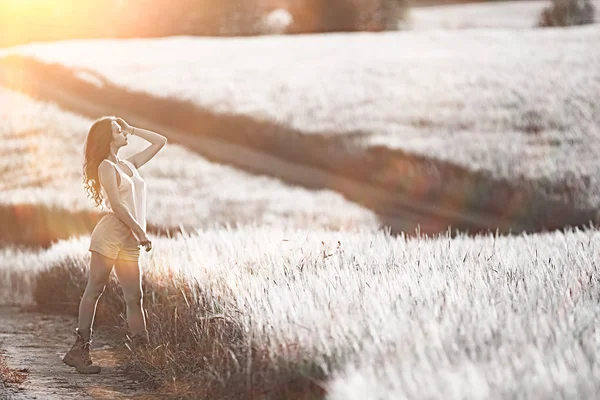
(125, 126)
(115, 126)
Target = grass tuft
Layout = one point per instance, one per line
(10, 375)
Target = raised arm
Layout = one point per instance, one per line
(108, 179)
(158, 142)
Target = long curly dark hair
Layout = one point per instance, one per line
(97, 148)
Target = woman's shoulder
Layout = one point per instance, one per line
(109, 162)
(105, 162)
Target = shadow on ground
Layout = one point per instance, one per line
(408, 192)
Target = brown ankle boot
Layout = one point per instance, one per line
(79, 355)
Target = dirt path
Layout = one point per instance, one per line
(37, 342)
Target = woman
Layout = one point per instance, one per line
(115, 184)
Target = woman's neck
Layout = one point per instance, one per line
(113, 157)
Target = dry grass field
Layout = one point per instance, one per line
(455, 120)
(364, 314)
(258, 287)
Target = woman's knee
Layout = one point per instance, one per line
(94, 291)
(100, 268)
(132, 295)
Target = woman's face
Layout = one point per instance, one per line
(119, 138)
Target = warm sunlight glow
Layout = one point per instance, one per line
(31, 4)
(23, 21)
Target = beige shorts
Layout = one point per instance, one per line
(113, 239)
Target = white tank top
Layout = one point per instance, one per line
(132, 191)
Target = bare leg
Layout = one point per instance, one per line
(100, 267)
(130, 278)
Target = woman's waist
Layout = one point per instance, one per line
(133, 205)
(110, 215)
